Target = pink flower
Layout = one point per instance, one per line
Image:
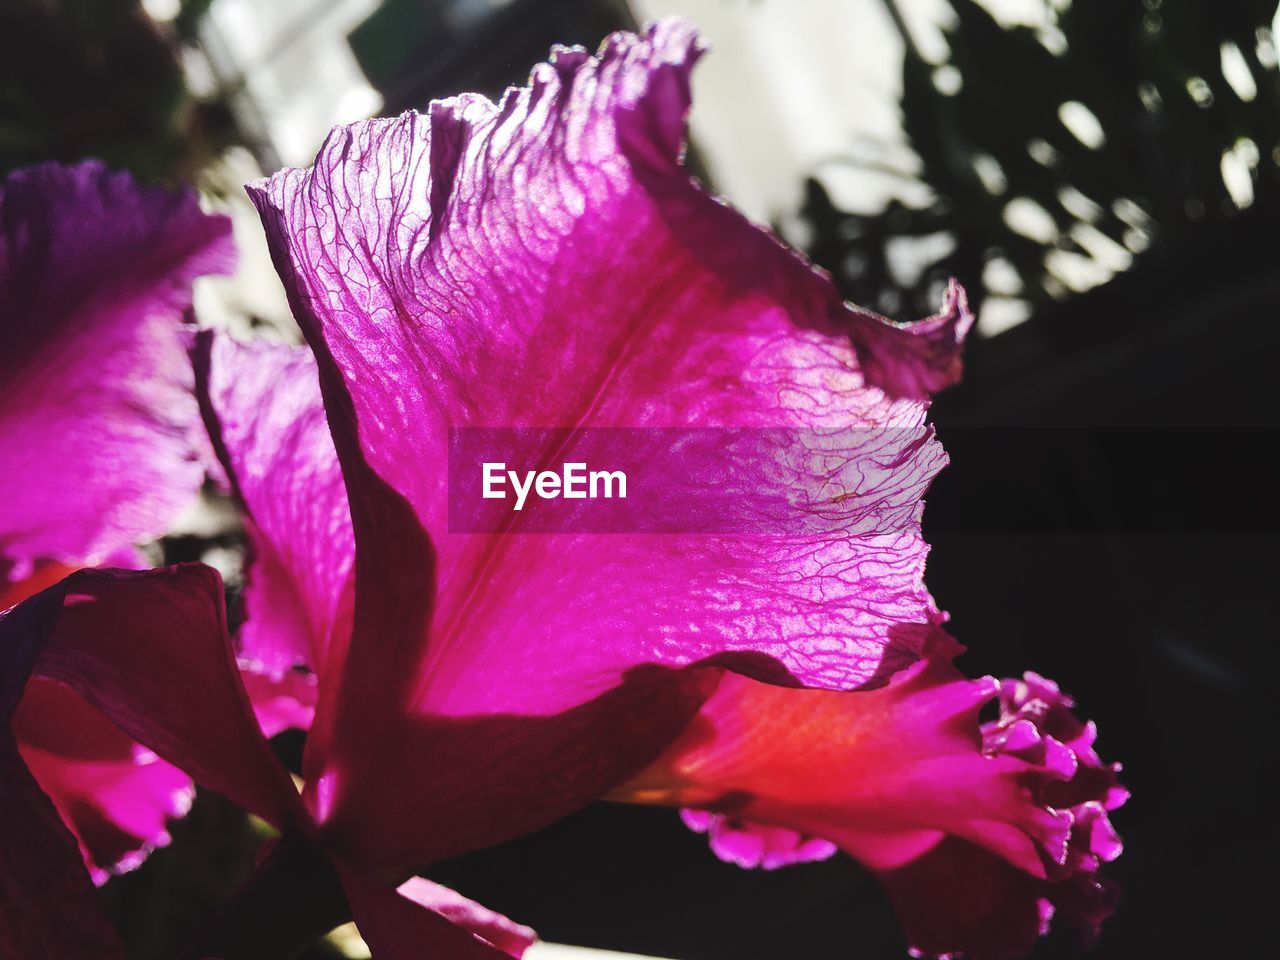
(544, 262)
(473, 688)
(548, 262)
(103, 447)
(978, 831)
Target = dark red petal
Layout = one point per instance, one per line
(962, 899)
(49, 908)
(151, 652)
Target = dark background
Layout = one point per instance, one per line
(1108, 519)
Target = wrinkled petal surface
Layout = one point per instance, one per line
(149, 652)
(99, 425)
(547, 261)
(979, 831)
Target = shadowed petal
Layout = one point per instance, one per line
(507, 936)
(115, 796)
(298, 893)
(100, 427)
(48, 907)
(150, 652)
(262, 403)
(960, 895)
(398, 927)
(547, 261)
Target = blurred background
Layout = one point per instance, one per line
(1103, 176)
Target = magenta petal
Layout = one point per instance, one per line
(547, 261)
(919, 359)
(451, 270)
(100, 426)
(751, 845)
(507, 936)
(397, 927)
(116, 797)
(103, 447)
(262, 401)
(281, 702)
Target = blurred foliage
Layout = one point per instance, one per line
(82, 78)
(414, 51)
(1055, 156)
